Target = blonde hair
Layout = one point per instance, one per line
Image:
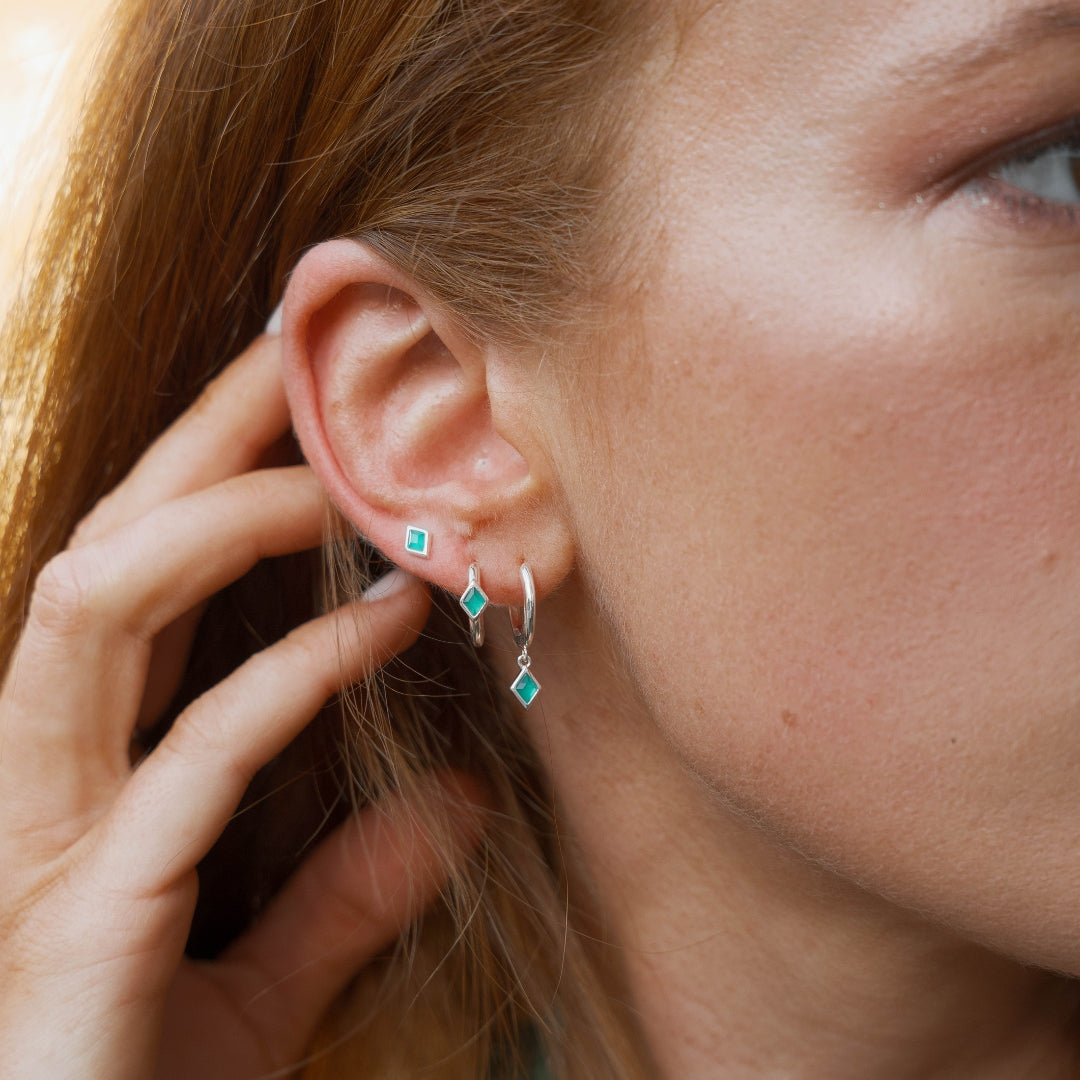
(469, 141)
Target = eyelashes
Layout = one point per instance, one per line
(1051, 174)
(1037, 183)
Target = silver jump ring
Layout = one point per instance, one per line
(523, 632)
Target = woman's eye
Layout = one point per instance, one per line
(1051, 174)
(1037, 187)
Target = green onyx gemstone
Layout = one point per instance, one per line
(417, 541)
(474, 601)
(525, 688)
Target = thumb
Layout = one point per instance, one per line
(354, 895)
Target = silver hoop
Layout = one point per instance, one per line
(523, 632)
(525, 687)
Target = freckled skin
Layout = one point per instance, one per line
(840, 526)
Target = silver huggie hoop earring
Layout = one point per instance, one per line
(525, 687)
(474, 600)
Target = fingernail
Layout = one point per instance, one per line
(387, 585)
(273, 324)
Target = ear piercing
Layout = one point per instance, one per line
(473, 600)
(525, 687)
(417, 541)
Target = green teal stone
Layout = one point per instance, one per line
(416, 541)
(525, 688)
(474, 601)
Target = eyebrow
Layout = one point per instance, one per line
(1015, 34)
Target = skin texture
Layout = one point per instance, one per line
(853, 412)
(820, 485)
(853, 415)
(804, 526)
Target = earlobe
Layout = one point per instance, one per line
(391, 404)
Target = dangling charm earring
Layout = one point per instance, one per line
(525, 687)
(474, 600)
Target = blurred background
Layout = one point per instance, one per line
(45, 52)
(45, 46)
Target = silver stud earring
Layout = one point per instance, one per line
(525, 687)
(474, 600)
(417, 541)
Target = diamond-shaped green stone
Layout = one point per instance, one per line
(474, 601)
(525, 688)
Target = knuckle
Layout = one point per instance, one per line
(267, 485)
(220, 395)
(63, 600)
(350, 898)
(260, 485)
(201, 738)
(201, 730)
(313, 656)
(206, 731)
(297, 646)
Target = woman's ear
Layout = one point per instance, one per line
(409, 423)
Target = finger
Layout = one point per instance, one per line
(352, 898)
(179, 800)
(224, 433)
(76, 682)
(160, 566)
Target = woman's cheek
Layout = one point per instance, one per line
(873, 510)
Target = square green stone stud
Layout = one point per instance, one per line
(418, 541)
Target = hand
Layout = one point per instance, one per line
(99, 860)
